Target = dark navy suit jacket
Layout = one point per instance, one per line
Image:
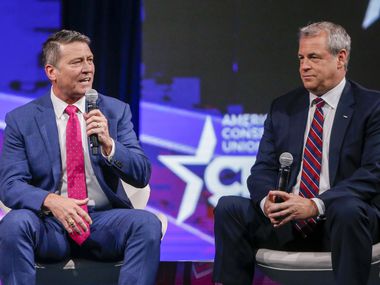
(354, 158)
(30, 166)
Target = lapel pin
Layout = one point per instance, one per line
(345, 116)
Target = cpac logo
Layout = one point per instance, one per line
(204, 156)
(372, 14)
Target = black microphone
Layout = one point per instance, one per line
(91, 104)
(286, 160)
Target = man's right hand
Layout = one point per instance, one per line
(293, 207)
(268, 206)
(272, 205)
(68, 212)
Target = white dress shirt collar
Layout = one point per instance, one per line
(60, 105)
(331, 97)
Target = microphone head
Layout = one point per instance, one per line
(91, 96)
(286, 159)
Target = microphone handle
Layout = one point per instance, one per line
(94, 142)
(283, 180)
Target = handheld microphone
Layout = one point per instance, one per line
(91, 104)
(286, 160)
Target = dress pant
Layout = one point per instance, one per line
(350, 229)
(117, 234)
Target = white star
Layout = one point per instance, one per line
(372, 14)
(194, 184)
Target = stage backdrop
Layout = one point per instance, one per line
(24, 26)
(209, 72)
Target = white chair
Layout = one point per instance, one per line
(88, 272)
(309, 268)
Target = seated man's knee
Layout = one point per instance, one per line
(231, 210)
(227, 205)
(18, 223)
(148, 224)
(346, 210)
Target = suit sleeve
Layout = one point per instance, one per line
(364, 183)
(16, 191)
(129, 161)
(265, 170)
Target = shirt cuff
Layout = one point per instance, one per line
(112, 153)
(320, 206)
(262, 203)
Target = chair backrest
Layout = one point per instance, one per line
(139, 196)
(3, 210)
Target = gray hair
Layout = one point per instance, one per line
(51, 47)
(337, 37)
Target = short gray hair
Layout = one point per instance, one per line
(337, 37)
(51, 47)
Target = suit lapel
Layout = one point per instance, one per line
(298, 120)
(47, 125)
(342, 119)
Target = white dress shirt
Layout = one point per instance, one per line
(331, 99)
(96, 195)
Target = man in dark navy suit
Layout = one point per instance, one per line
(44, 167)
(331, 126)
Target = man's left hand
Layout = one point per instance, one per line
(294, 207)
(97, 124)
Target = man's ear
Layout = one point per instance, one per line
(51, 71)
(342, 58)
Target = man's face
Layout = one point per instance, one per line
(74, 72)
(320, 70)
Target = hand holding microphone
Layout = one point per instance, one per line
(97, 125)
(291, 206)
(286, 161)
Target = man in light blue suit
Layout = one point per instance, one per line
(34, 178)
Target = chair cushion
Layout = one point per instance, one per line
(302, 261)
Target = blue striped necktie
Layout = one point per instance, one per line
(312, 164)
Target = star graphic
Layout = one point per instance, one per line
(194, 184)
(372, 14)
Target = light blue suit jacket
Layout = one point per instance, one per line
(30, 165)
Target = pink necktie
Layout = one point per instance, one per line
(76, 180)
